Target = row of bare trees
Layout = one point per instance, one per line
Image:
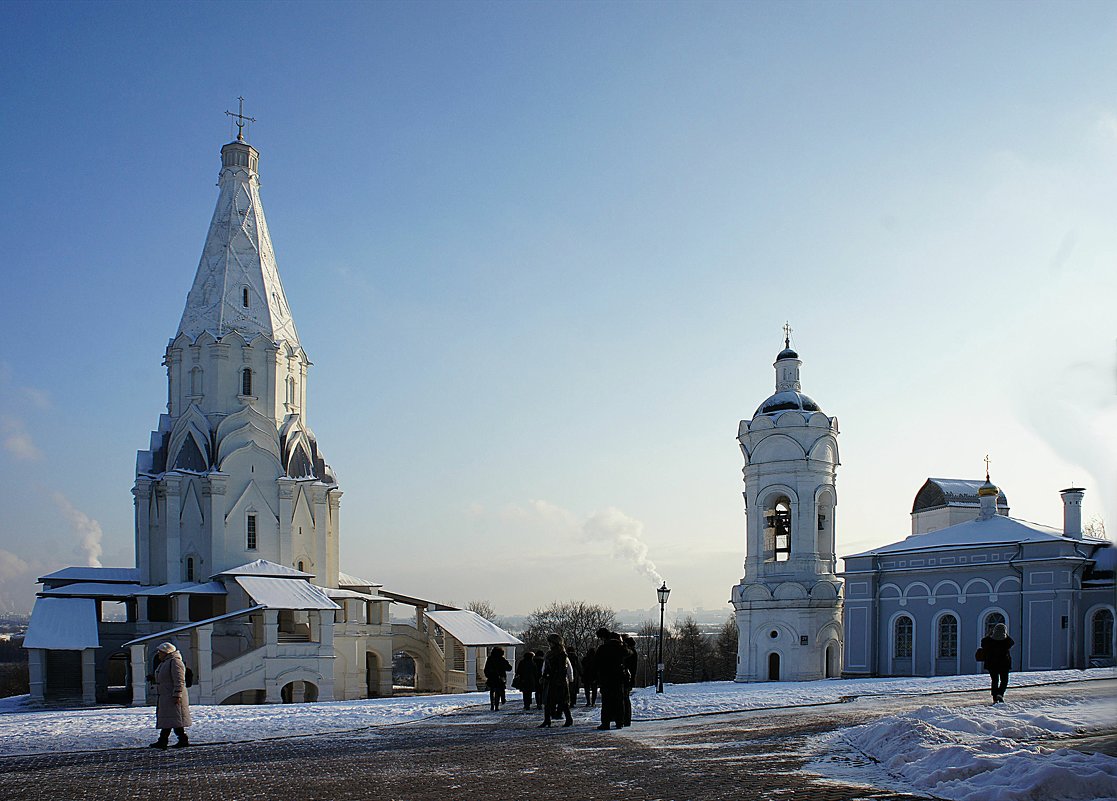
(689, 653)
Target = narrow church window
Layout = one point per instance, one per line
(246, 382)
(903, 637)
(300, 567)
(189, 568)
(1102, 633)
(196, 381)
(948, 637)
(251, 538)
(991, 620)
(244, 298)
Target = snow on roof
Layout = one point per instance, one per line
(364, 596)
(998, 530)
(285, 593)
(937, 493)
(93, 589)
(63, 624)
(262, 567)
(123, 575)
(469, 628)
(185, 588)
(347, 580)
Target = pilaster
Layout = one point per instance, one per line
(141, 500)
(172, 484)
(139, 673)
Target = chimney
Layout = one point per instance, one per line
(1072, 512)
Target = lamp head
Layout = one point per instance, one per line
(663, 592)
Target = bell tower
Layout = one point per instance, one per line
(788, 604)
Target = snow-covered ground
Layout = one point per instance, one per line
(992, 753)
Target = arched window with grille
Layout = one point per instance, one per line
(948, 637)
(902, 637)
(190, 568)
(246, 381)
(1101, 634)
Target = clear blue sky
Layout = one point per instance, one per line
(541, 254)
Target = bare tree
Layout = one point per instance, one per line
(1094, 528)
(576, 621)
(725, 651)
(691, 652)
(482, 608)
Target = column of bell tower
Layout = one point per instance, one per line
(788, 604)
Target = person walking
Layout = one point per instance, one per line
(589, 676)
(496, 677)
(172, 710)
(524, 678)
(576, 682)
(609, 665)
(557, 675)
(540, 687)
(998, 661)
(631, 661)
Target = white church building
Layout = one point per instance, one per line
(789, 603)
(237, 521)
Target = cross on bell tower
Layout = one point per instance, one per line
(240, 118)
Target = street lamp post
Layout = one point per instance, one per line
(662, 592)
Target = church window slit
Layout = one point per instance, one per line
(189, 568)
(244, 297)
(250, 539)
(246, 382)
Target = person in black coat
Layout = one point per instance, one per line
(998, 660)
(540, 687)
(496, 673)
(631, 660)
(524, 679)
(609, 665)
(576, 682)
(589, 676)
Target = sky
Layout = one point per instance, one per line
(951, 748)
(541, 254)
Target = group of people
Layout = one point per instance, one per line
(552, 678)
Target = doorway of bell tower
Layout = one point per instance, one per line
(773, 666)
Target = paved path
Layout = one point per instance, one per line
(483, 755)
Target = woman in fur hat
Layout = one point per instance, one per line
(172, 710)
(998, 660)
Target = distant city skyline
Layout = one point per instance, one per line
(541, 256)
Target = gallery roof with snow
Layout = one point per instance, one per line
(237, 521)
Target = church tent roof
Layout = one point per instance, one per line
(63, 624)
(93, 589)
(469, 628)
(185, 588)
(285, 593)
(124, 575)
(998, 530)
(262, 567)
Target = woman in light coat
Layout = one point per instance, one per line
(172, 710)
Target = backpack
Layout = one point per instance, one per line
(979, 655)
(189, 677)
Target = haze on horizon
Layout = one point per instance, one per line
(541, 256)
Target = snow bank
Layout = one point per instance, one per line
(1006, 752)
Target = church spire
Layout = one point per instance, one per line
(237, 286)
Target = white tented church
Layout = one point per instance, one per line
(237, 522)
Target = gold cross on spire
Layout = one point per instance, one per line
(240, 119)
(787, 334)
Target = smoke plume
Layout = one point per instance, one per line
(85, 527)
(625, 535)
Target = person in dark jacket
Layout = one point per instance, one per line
(631, 660)
(496, 677)
(540, 687)
(524, 679)
(998, 660)
(576, 682)
(609, 665)
(557, 675)
(172, 709)
(589, 676)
